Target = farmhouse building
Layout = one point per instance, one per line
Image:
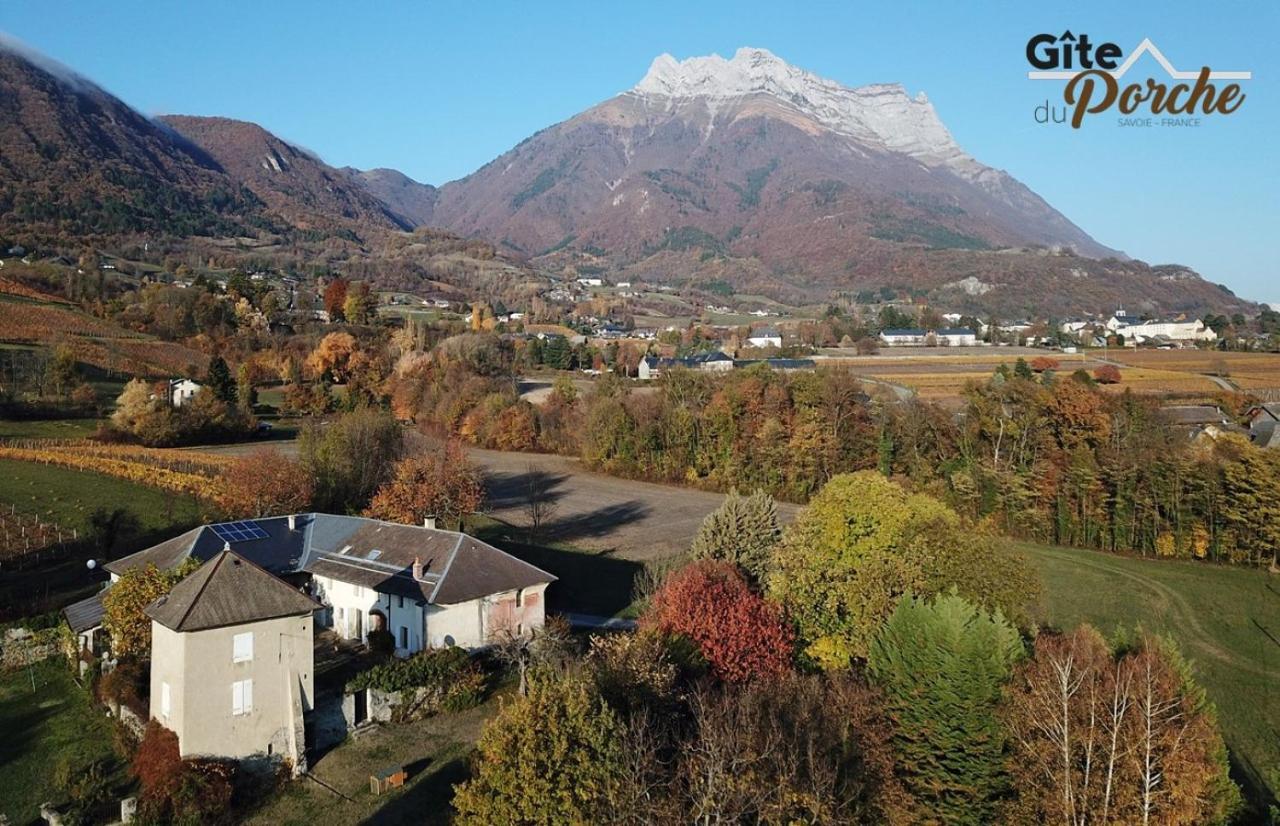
(946, 337)
(425, 586)
(232, 667)
(956, 337)
(652, 367)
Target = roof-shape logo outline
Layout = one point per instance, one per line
(1146, 46)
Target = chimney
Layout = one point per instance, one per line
(417, 568)
(429, 522)
(293, 522)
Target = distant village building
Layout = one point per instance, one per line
(764, 337)
(1173, 331)
(652, 367)
(182, 391)
(956, 337)
(904, 337)
(591, 282)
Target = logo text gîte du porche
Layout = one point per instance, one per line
(1095, 75)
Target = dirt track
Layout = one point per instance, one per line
(637, 520)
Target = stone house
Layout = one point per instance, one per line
(232, 664)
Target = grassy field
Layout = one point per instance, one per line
(53, 723)
(1178, 374)
(1226, 620)
(69, 499)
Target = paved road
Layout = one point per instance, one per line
(636, 520)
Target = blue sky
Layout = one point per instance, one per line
(437, 89)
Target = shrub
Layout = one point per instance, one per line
(128, 685)
(1107, 374)
(453, 681)
(382, 642)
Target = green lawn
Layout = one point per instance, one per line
(48, 428)
(1226, 620)
(42, 727)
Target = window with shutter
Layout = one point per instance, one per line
(242, 647)
(242, 697)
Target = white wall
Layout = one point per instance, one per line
(467, 624)
(346, 601)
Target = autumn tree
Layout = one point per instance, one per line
(123, 603)
(743, 531)
(332, 356)
(350, 458)
(552, 756)
(335, 299)
(942, 664)
(1104, 737)
(360, 304)
(741, 635)
(134, 405)
(862, 543)
(516, 427)
(794, 749)
(441, 483)
(264, 482)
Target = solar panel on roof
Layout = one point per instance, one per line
(238, 531)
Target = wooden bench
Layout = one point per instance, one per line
(390, 778)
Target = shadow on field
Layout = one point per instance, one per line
(424, 802)
(587, 582)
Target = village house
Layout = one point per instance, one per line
(1264, 425)
(232, 648)
(182, 391)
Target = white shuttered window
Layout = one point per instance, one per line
(242, 697)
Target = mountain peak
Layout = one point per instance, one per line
(749, 70)
(882, 115)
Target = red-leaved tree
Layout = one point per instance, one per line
(741, 635)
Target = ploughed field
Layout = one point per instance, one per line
(941, 374)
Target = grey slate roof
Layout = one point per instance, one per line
(1194, 414)
(1266, 434)
(360, 551)
(228, 590)
(85, 614)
